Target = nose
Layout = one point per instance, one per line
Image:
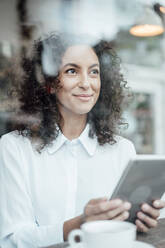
(84, 81)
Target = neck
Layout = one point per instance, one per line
(73, 126)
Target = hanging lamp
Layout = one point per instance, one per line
(148, 25)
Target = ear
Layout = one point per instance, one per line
(52, 90)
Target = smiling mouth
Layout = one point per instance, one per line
(84, 97)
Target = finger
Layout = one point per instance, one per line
(118, 202)
(111, 214)
(154, 213)
(141, 227)
(97, 200)
(123, 216)
(95, 217)
(159, 204)
(119, 211)
(93, 209)
(94, 206)
(150, 222)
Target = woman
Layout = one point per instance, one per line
(59, 170)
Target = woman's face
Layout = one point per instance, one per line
(80, 80)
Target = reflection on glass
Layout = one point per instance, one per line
(5, 85)
(141, 123)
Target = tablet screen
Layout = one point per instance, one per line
(143, 180)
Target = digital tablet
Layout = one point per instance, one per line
(143, 180)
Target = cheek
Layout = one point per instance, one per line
(65, 87)
(69, 81)
(97, 87)
(64, 93)
(61, 95)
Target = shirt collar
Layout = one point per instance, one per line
(57, 143)
(88, 143)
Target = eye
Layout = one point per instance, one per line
(94, 71)
(70, 71)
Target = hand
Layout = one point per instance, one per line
(147, 218)
(103, 209)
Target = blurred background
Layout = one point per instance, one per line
(136, 31)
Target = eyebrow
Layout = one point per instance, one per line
(94, 65)
(77, 66)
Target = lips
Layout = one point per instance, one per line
(84, 97)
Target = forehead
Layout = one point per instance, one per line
(80, 54)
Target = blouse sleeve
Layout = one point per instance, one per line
(162, 211)
(127, 152)
(18, 226)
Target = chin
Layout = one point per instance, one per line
(83, 111)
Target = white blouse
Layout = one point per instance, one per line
(40, 191)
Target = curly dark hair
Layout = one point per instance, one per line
(37, 101)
